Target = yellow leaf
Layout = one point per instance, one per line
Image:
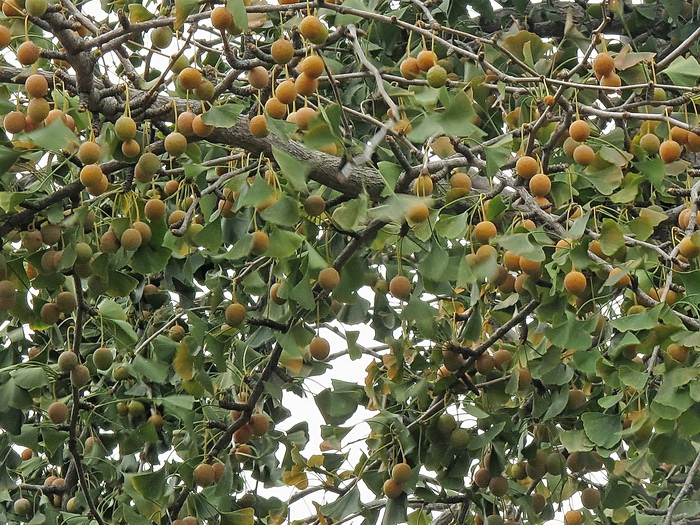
(316, 460)
(183, 362)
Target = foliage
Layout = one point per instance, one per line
(197, 200)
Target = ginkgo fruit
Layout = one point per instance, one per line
(400, 287)
(575, 283)
(527, 167)
(579, 130)
(670, 151)
(603, 65)
(485, 231)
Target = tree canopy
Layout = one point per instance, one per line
(493, 205)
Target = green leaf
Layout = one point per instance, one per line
(284, 212)
(602, 429)
(452, 226)
(150, 485)
(395, 511)
(8, 156)
(183, 8)
(240, 17)
(54, 137)
(238, 517)
(338, 404)
(222, 116)
(606, 180)
(138, 13)
(294, 170)
(684, 71)
(345, 505)
(611, 237)
(283, 243)
(30, 377)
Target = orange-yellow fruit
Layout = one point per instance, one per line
(688, 249)
(529, 267)
(8, 294)
(409, 68)
(573, 517)
(275, 108)
(400, 287)
(89, 152)
(511, 261)
(482, 477)
(306, 85)
(14, 122)
(670, 151)
(540, 185)
(401, 472)
(426, 59)
(423, 186)
(258, 126)
(274, 293)
(90, 175)
(623, 282)
(99, 187)
(527, 167)
(190, 78)
(200, 128)
(258, 77)
(282, 51)
(485, 253)
(312, 66)
(392, 488)
(155, 210)
(38, 109)
(313, 29)
(314, 205)
(184, 122)
(28, 53)
(221, 18)
(5, 36)
(575, 283)
(171, 187)
(261, 242)
(584, 155)
(417, 212)
(590, 498)
(131, 148)
(286, 92)
(678, 352)
(319, 348)
(259, 424)
(304, 116)
(131, 239)
(203, 475)
(693, 143)
(461, 180)
(485, 231)
(235, 314)
(175, 144)
(611, 80)
(603, 65)
(579, 130)
(680, 135)
(37, 86)
(329, 279)
(58, 412)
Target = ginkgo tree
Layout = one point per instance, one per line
(494, 204)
